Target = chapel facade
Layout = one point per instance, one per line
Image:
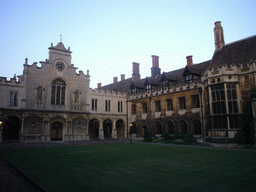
(52, 102)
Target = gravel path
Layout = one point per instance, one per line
(13, 180)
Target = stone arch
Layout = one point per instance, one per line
(107, 128)
(196, 126)
(183, 125)
(158, 128)
(120, 128)
(57, 128)
(144, 128)
(11, 128)
(133, 129)
(170, 127)
(94, 129)
(56, 131)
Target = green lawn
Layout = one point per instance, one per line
(137, 167)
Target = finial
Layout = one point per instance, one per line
(60, 37)
(87, 72)
(26, 61)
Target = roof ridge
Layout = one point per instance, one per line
(234, 42)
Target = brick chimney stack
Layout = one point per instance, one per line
(155, 70)
(122, 77)
(189, 60)
(135, 71)
(115, 80)
(99, 85)
(218, 35)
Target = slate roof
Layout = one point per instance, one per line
(238, 52)
(123, 86)
(176, 75)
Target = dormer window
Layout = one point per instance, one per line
(134, 90)
(166, 84)
(148, 88)
(191, 78)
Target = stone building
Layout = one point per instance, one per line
(205, 100)
(52, 102)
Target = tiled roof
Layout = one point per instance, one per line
(176, 75)
(123, 86)
(239, 52)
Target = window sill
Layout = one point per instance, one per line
(169, 113)
(157, 114)
(182, 111)
(195, 110)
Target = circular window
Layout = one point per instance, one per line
(60, 65)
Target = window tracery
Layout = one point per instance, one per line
(58, 92)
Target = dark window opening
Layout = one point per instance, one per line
(195, 101)
(169, 105)
(182, 103)
(144, 107)
(158, 106)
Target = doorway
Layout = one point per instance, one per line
(56, 131)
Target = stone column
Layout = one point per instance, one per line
(22, 137)
(114, 136)
(125, 127)
(254, 113)
(101, 133)
(69, 136)
(87, 130)
(47, 131)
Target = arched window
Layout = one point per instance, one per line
(197, 127)
(170, 127)
(183, 127)
(58, 92)
(158, 128)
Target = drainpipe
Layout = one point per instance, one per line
(127, 124)
(202, 114)
(150, 110)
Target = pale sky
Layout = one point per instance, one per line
(107, 36)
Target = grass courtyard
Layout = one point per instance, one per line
(137, 167)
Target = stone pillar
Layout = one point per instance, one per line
(87, 130)
(254, 113)
(47, 131)
(69, 136)
(125, 128)
(22, 137)
(114, 136)
(101, 133)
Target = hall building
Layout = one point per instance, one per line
(53, 102)
(205, 100)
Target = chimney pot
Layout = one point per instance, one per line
(135, 71)
(122, 77)
(99, 85)
(155, 61)
(115, 79)
(218, 35)
(155, 70)
(189, 60)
